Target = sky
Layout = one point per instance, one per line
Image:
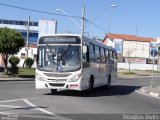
(133, 17)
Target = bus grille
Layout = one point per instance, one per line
(56, 85)
(58, 80)
(57, 75)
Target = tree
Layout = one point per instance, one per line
(11, 42)
(14, 62)
(29, 62)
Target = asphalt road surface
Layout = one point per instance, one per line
(20, 100)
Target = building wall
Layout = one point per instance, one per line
(47, 27)
(43, 27)
(1, 61)
(32, 53)
(135, 66)
(136, 49)
(21, 26)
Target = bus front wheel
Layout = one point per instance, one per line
(54, 91)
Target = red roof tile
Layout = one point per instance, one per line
(128, 37)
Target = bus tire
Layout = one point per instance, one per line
(91, 83)
(108, 82)
(54, 91)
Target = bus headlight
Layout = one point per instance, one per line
(75, 78)
(40, 77)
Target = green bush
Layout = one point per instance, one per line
(29, 62)
(14, 62)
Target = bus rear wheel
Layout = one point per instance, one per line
(108, 82)
(54, 91)
(91, 84)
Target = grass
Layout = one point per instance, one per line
(153, 71)
(130, 73)
(22, 73)
(26, 73)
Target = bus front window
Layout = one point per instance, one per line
(58, 58)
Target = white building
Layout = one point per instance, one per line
(135, 50)
(36, 29)
(132, 47)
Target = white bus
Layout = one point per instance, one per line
(72, 62)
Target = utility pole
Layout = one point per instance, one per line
(83, 20)
(136, 30)
(27, 37)
(109, 23)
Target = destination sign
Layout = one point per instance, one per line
(60, 40)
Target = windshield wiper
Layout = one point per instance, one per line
(66, 49)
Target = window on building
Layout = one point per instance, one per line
(23, 23)
(35, 24)
(34, 57)
(5, 21)
(11, 22)
(23, 55)
(17, 23)
(1, 21)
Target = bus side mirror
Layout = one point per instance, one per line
(84, 49)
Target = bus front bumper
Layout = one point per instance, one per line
(58, 85)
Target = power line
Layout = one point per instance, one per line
(33, 10)
(51, 13)
(45, 12)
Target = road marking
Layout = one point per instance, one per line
(11, 106)
(15, 100)
(45, 111)
(37, 108)
(33, 106)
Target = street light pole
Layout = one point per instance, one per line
(111, 6)
(69, 17)
(83, 21)
(27, 37)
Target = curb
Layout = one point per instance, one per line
(16, 79)
(147, 93)
(137, 75)
(154, 94)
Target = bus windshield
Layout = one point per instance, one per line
(58, 58)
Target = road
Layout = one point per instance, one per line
(22, 99)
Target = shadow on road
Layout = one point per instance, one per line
(100, 91)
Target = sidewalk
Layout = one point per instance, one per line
(2, 78)
(16, 79)
(150, 91)
(136, 73)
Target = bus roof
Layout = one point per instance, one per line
(60, 35)
(98, 43)
(95, 42)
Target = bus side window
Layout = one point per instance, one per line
(102, 51)
(106, 55)
(115, 55)
(97, 54)
(91, 53)
(85, 53)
